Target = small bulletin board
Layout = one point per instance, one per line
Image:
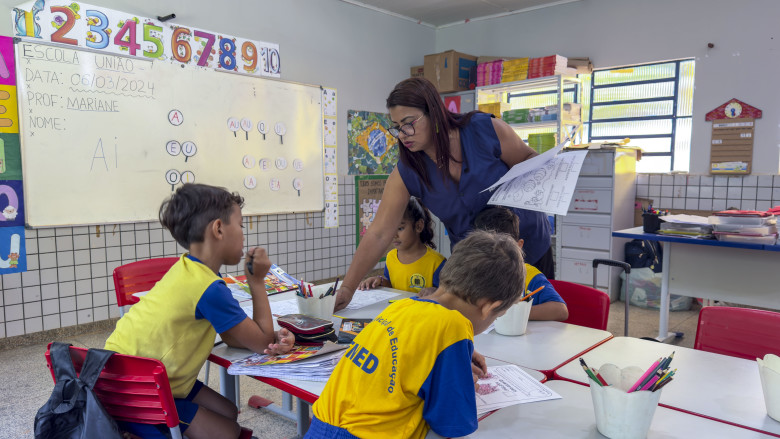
(733, 131)
(106, 138)
(368, 194)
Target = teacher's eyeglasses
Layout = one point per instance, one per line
(407, 128)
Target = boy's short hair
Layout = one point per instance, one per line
(485, 265)
(498, 219)
(192, 207)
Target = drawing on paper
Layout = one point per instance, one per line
(548, 187)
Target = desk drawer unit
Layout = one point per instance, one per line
(577, 266)
(598, 163)
(591, 200)
(587, 237)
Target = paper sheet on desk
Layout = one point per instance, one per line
(509, 385)
(548, 188)
(363, 298)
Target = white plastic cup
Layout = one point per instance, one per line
(621, 415)
(770, 384)
(316, 307)
(515, 320)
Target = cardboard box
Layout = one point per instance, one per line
(416, 72)
(582, 65)
(450, 71)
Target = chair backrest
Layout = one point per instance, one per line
(132, 389)
(587, 306)
(139, 276)
(738, 332)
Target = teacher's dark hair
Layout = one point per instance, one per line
(188, 212)
(421, 93)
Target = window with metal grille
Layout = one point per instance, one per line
(651, 104)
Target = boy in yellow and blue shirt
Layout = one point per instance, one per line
(177, 320)
(413, 367)
(547, 304)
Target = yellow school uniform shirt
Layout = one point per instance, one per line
(409, 370)
(163, 325)
(413, 277)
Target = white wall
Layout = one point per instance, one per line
(743, 64)
(325, 42)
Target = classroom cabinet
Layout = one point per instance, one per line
(603, 201)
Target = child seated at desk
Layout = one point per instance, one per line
(414, 264)
(177, 321)
(547, 303)
(412, 368)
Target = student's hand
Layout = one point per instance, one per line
(284, 342)
(475, 378)
(478, 365)
(260, 262)
(371, 282)
(343, 297)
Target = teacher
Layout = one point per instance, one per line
(447, 160)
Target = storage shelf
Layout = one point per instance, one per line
(542, 124)
(528, 84)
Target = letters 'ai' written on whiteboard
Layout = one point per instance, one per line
(106, 138)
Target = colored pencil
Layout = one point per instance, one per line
(528, 296)
(589, 372)
(648, 373)
(662, 384)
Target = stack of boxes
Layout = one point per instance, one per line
(489, 72)
(514, 70)
(549, 66)
(541, 142)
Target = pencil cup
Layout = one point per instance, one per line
(621, 415)
(769, 370)
(316, 307)
(515, 320)
(651, 222)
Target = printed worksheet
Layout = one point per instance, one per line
(548, 188)
(365, 298)
(509, 385)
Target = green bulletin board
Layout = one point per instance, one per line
(368, 194)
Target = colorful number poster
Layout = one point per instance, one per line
(108, 31)
(372, 150)
(368, 195)
(13, 255)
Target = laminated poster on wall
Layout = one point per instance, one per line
(371, 147)
(13, 254)
(11, 203)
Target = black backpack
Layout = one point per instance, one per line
(643, 253)
(73, 411)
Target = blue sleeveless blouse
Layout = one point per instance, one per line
(457, 204)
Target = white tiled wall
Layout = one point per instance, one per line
(69, 278)
(705, 192)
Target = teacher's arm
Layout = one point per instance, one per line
(377, 238)
(513, 149)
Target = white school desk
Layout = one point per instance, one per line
(715, 386)
(728, 271)
(544, 346)
(572, 416)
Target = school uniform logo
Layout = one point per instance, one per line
(417, 281)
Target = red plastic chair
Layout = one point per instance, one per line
(587, 306)
(136, 277)
(132, 389)
(738, 332)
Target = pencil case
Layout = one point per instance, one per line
(303, 324)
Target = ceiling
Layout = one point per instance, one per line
(443, 13)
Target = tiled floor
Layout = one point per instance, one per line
(27, 384)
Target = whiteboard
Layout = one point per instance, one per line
(105, 138)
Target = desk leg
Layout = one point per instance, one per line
(663, 320)
(303, 417)
(228, 385)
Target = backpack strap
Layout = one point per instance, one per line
(93, 364)
(61, 361)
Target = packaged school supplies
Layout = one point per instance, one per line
(307, 329)
(350, 328)
(769, 371)
(308, 363)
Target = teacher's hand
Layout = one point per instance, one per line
(343, 297)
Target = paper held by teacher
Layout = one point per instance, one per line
(544, 183)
